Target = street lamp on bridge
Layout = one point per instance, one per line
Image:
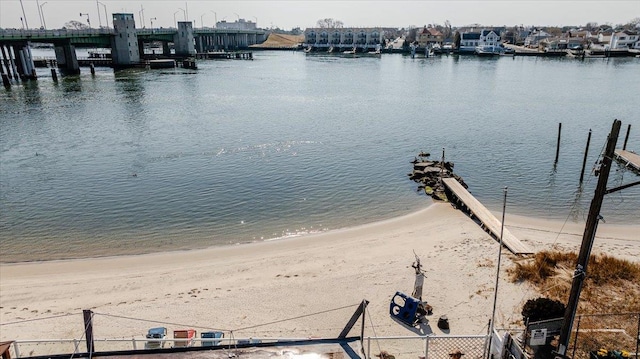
(88, 21)
(99, 21)
(201, 21)
(24, 16)
(184, 12)
(106, 19)
(153, 18)
(39, 13)
(215, 18)
(174, 18)
(42, 13)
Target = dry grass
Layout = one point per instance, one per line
(612, 285)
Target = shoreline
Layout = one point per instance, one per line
(514, 222)
(240, 286)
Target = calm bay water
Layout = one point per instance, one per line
(138, 161)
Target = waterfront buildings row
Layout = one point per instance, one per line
(340, 39)
(469, 39)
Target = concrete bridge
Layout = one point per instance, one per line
(126, 43)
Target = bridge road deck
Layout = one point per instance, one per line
(629, 159)
(486, 218)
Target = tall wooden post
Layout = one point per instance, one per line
(88, 330)
(587, 240)
(586, 153)
(626, 137)
(558, 145)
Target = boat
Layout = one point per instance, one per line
(489, 51)
(377, 51)
(350, 52)
(428, 52)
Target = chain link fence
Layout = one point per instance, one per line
(428, 347)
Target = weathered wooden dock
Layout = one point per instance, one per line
(487, 220)
(630, 160)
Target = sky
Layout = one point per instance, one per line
(305, 13)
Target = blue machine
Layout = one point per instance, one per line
(405, 308)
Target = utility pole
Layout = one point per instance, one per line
(587, 240)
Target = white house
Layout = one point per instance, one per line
(470, 40)
(624, 40)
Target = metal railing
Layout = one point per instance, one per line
(67, 346)
(414, 347)
(11, 34)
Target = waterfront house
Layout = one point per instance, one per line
(469, 41)
(624, 40)
(340, 39)
(562, 43)
(535, 37)
(428, 37)
(604, 36)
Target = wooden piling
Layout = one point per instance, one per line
(88, 330)
(6, 82)
(54, 75)
(584, 161)
(558, 145)
(626, 138)
(93, 69)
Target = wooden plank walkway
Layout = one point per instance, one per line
(486, 218)
(629, 159)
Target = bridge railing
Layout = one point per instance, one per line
(18, 34)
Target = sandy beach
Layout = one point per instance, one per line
(239, 288)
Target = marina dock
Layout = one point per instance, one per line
(487, 220)
(628, 159)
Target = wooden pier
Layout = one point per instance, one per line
(628, 159)
(487, 220)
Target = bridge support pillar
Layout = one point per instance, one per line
(183, 40)
(24, 62)
(6, 60)
(125, 47)
(141, 48)
(165, 48)
(67, 60)
(199, 46)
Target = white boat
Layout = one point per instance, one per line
(377, 51)
(488, 51)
